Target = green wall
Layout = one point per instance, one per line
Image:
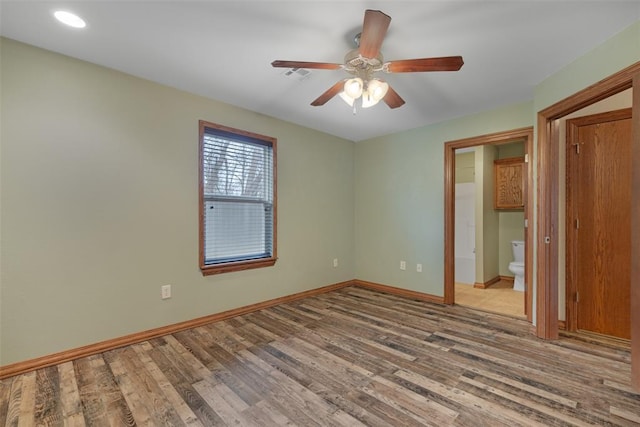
(399, 210)
(399, 178)
(615, 54)
(487, 218)
(99, 206)
(98, 200)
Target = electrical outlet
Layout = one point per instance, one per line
(419, 268)
(335, 262)
(403, 265)
(165, 291)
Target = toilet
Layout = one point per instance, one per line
(517, 265)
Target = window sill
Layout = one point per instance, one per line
(208, 270)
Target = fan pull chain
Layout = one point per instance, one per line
(354, 109)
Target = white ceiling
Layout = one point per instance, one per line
(223, 50)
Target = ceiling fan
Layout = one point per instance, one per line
(364, 61)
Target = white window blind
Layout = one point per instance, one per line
(238, 197)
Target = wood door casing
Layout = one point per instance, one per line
(546, 189)
(525, 134)
(599, 223)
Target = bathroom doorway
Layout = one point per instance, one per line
(490, 275)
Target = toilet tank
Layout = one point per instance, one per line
(517, 247)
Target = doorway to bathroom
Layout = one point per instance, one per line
(479, 230)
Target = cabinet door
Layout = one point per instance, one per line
(509, 183)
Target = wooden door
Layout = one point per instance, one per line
(599, 223)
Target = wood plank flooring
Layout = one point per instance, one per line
(345, 358)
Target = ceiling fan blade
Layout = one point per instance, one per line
(303, 64)
(392, 99)
(374, 29)
(330, 93)
(446, 63)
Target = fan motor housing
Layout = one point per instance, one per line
(355, 63)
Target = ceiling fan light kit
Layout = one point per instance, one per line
(377, 89)
(346, 98)
(366, 60)
(370, 92)
(353, 87)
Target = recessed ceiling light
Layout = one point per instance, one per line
(70, 19)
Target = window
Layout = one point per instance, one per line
(237, 199)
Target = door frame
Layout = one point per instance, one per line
(547, 211)
(525, 134)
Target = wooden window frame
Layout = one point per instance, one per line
(231, 266)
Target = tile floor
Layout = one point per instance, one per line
(498, 298)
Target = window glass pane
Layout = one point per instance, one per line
(237, 197)
(236, 230)
(236, 169)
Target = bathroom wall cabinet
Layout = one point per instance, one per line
(509, 183)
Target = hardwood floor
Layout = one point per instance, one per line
(346, 358)
(498, 298)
